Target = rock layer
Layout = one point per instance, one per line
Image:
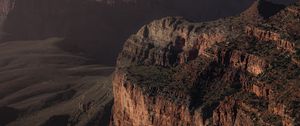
(223, 73)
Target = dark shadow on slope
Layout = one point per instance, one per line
(7, 115)
(60, 97)
(213, 85)
(268, 9)
(57, 120)
(102, 119)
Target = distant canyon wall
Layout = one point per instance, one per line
(98, 28)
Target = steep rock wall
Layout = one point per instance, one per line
(173, 72)
(240, 60)
(171, 41)
(270, 36)
(133, 107)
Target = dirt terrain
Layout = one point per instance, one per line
(41, 82)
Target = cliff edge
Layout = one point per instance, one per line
(226, 72)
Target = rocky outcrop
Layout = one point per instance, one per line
(223, 73)
(281, 110)
(262, 90)
(225, 114)
(241, 60)
(168, 43)
(270, 36)
(228, 113)
(133, 107)
(171, 41)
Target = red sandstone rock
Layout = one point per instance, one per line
(270, 36)
(222, 73)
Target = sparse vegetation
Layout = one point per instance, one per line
(252, 100)
(298, 52)
(284, 36)
(297, 43)
(272, 119)
(153, 75)
(268, 27)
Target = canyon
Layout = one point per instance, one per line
(98, 28)
(57, 56)
(234, 71)
(59, 63)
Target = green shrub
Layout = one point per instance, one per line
(273, 119)
(298, 52)
(284, 36)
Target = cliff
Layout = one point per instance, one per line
(226, 72)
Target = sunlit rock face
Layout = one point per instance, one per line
(225, 72)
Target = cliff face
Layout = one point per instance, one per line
(171, 41)
(265, 35)
(138, 108)
(223, 73)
